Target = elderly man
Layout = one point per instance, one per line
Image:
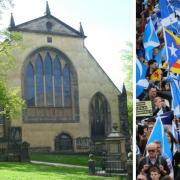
(152, 160)
(169, 162)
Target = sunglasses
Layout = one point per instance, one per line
(152, 150)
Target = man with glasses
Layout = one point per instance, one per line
(152, 160)
(169, 162)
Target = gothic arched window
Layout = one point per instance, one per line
(50, 87)
(100, 116)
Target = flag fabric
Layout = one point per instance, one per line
(150, 39)
(175, 91)
(165, 65)
(174, 131)
(175, 4)
(172, 43)
(141, 82)
(158, 134)
(168, 16)
(161, 56)
(156, 76)
(167, 117)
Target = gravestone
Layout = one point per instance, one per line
(116, 153)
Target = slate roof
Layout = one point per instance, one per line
(47, 24)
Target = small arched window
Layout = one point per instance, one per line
(63, 142)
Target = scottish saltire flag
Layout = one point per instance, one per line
(175, 91)
(168, 17)
(158, 134)
(150, 39)
(175, 4)
(172, 43)
(141, 81)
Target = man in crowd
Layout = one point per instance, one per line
(152, 160)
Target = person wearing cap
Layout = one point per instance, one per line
(152, 160)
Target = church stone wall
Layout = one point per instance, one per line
(91, 79)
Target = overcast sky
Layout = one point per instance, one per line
(108, 24)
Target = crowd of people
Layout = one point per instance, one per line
(151, 161)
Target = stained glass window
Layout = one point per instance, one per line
(29, 85)
(39, 82)
(57, 82)
(67, 86)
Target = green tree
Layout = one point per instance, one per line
(10, 101)
(127, 69)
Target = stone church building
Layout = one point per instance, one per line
(71, 105)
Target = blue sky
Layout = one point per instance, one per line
(108, 24)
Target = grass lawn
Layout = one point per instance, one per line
(28, 171)
(66, 159)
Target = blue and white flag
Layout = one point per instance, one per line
(150, 39)
(175, 91)
(174, 131)
(158, 134)
(168, 16)
(175, 4)
(167, 117)
(141, 81)
(161, 56)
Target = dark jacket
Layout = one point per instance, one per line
(159, 161)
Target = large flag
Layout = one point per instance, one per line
(175, 91)
(175, 4)
(172, 43)
(158, 134)
(150, 39)
(168, 16)
(141, 82)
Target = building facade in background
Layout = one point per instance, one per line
(71, 104)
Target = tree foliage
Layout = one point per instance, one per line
(127, 69)
(10, 101)
(4, 4)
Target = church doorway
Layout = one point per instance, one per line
(63, 142)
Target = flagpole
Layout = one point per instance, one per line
(177, 129)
